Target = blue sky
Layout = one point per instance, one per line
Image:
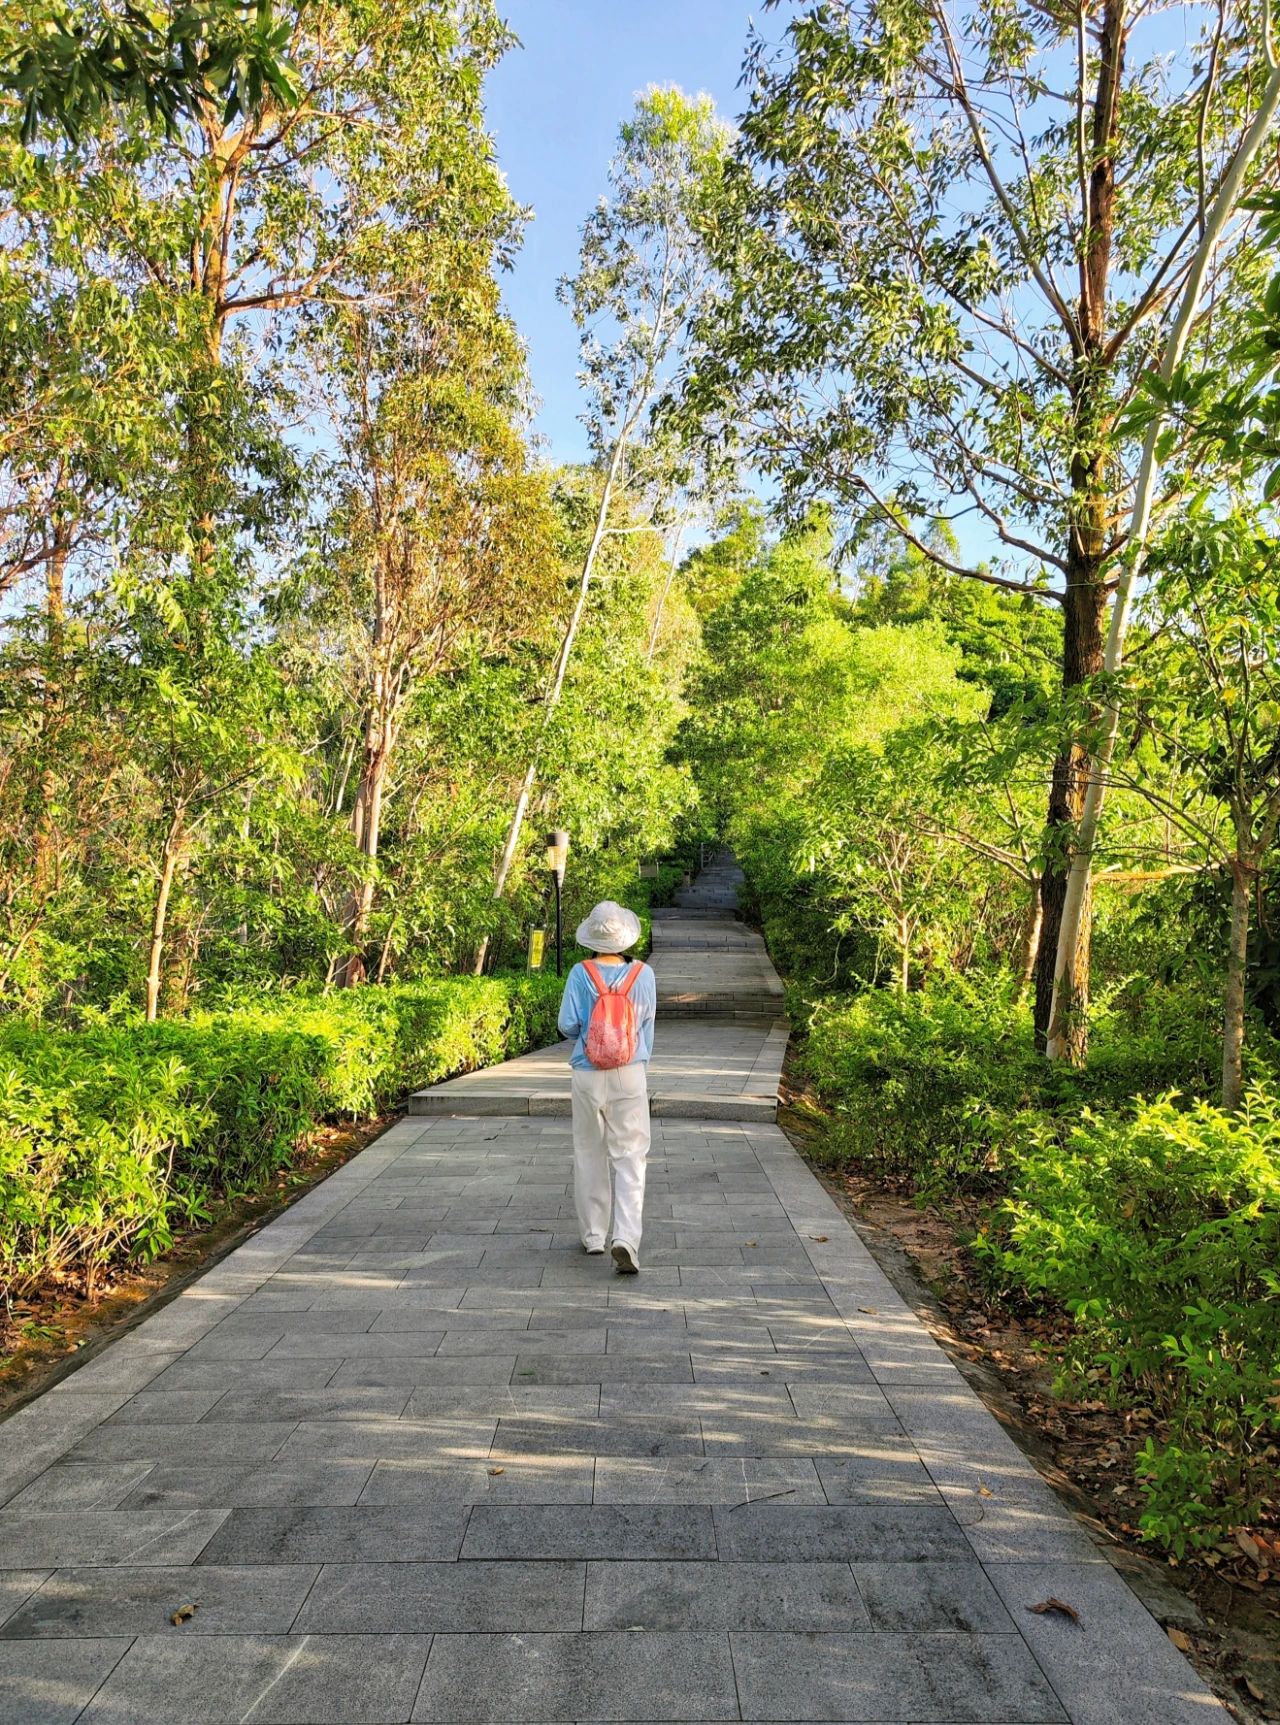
(555, 105)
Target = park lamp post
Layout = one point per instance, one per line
(557, 854)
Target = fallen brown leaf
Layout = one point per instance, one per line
(870, 1310)
(1252, 1687)
(497, 1470)
(184, 1614)
(983, 1491)
(1057, 1605)
(1179, 1639)
(820, 1238)
(1248, 1545)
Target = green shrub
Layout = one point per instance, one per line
(1146, 1037)
(921, 1084)
(935, 1084)
(375, 1044)
(112, 1135)
(108, 1135)
(1159, 1231)
(1155, 1224)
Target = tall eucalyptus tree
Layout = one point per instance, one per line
(955, 238)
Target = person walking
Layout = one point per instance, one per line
(608, 1009)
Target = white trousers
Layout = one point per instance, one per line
(610, 1129)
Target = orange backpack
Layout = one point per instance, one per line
(611, 1029)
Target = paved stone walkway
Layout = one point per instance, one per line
(412, 1456)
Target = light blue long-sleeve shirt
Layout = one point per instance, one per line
(579, 997)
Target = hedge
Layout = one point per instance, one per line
(111, 1137)
(1158, 1229)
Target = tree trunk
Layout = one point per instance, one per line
(1233, 1005)
(208, 272)
(1085, 602)
(1030, 942)
(160, 911)
(673, 565)
(384, 960)
(367, 825)
(1084, 612)
(351, 969)
(55, 624)
(552, 700)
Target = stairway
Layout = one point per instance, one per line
(712, 969)
(709, 964)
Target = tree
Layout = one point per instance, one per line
(1215, 221)
(954, 242)
(91, 355)
(1206, 690)
(204, 709)
(246, 221)
(610, 775)
(887, 868)
(440, 541)
(641, 282)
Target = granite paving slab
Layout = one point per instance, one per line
(412, 1455)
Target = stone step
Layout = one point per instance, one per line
(711, 968)
(556, 1104)
(710, 942)
(716, 913)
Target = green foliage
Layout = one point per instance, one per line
(936, 1084)
(68, 66)
(370, 1046)
(112, 1136)
(1158, 1228)
(1156, 1225)
(922, 1084)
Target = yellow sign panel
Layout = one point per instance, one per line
(537, 947)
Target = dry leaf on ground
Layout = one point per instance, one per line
(1059, 1606)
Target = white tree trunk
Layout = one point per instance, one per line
(1233, 1005)
(673, 565)
(556, 689)
(160, 913)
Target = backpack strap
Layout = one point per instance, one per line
(602, 987)
(593, 971)
(628, 982)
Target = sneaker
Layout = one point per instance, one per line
(593, 1251)
(625, 1259)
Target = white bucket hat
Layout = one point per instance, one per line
(609, 928)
